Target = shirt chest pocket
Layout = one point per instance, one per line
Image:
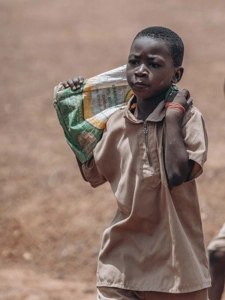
(150, 175)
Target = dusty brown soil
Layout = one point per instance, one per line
(50, 220)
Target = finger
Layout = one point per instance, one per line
(186, 93)
(71, 84)
(76, 83)
(81, 79)
(190, 101)
(65, 84)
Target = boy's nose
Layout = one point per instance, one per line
(141, 71)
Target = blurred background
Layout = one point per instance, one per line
(51, 221)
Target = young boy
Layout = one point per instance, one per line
(150, 153)
(216, 251)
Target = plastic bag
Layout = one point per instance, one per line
(83, 113)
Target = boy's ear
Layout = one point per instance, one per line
(178, 74)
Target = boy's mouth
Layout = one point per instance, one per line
(140, 84)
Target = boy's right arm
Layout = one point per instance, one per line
(90, 173)
(89, 170)
(75, 84)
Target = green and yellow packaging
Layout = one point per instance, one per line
(83, 113)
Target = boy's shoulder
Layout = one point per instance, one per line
(116, 122)
(194, 109)
(117, 115)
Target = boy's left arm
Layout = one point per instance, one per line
(177, 163)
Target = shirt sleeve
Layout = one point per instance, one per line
(92, 174)
(195, 139)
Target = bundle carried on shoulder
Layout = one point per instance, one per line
(83, 113)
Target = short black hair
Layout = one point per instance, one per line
(172, 39)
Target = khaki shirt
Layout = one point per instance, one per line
(155, 241)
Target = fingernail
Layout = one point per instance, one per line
(74, 88)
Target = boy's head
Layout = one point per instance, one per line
(172, 39)
(154, 62)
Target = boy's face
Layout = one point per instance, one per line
(150, 69)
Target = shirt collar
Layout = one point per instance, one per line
(157, 115)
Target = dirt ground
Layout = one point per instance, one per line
(51, 221)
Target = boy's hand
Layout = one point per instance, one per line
(73, 83)
(181, 97)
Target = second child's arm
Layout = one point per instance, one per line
(177, 163)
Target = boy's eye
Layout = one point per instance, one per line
(154, 65)
(133, 62)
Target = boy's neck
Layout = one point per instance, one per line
(146, 107)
